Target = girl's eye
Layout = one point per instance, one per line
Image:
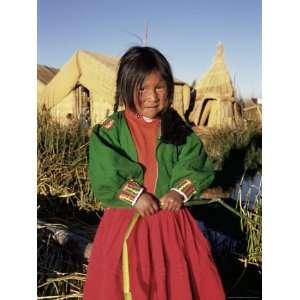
(160, 87)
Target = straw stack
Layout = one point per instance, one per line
(215, 104)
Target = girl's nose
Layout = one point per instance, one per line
(151, 96)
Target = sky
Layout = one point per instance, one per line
(186, 32)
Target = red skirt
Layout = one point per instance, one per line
(169, 259)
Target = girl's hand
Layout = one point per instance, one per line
(146, 205)
(171, 201)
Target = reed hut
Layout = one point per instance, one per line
(252, 109)
(215, 105)
(181, 100)
(44, 76)
(88, 80)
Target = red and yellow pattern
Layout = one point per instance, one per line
(186, 187)
(130, 191)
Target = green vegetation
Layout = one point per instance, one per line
(220, 144)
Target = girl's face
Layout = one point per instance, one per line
(150, 99)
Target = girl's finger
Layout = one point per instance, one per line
(155, 207)
(171, 204)
(174, 207)
(167, 205)
(145, 211)
(151, 211)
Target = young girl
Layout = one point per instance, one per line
(145, 166)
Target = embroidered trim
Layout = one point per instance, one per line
(137, 196)
(130, 192)
(186, 188)
(181, 193)
(107, 123)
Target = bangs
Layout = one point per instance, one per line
(135, 65)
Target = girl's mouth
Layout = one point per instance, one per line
(152, 106)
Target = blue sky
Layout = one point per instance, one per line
(186, 32)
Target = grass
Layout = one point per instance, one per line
(220, 144)
(62, 163)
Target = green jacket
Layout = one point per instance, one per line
(113, 163)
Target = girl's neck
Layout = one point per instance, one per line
(148, 120)
(145, 120)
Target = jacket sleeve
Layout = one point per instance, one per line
(116, 180)
(193, 172)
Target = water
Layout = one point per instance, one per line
(220, 226)
(247, 190)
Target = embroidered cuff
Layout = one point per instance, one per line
(130, 192)
(137, 196)
(185, 188)
(181, 193)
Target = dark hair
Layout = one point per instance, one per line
(135, 65)
(69, 116)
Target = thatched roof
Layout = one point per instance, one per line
(46, 73)
(113, 61)
(95, 71)
(216, 83)
(88, 69)
(215, 104)
(110, 62)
